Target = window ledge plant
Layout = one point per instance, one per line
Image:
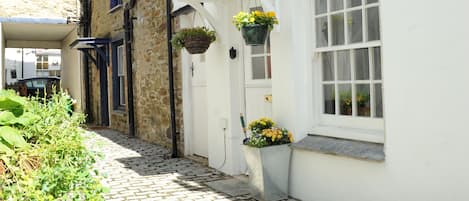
(196, 40)
(255, 26)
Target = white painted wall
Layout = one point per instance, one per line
(2, 58)
(71, 70)
(425, 71)
(425, 78)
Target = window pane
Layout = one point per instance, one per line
(329, 99)
(345, 99)
(327, 66)
(257, 49)
(258, 68)
(120, 59)
(321, 6)
(371, 1)
(337, 5)
(355, 26)
(321, 32)
(343, 65)
(373, 23)
(377, 63)
(378, 101)
(338, 37)
(121, 91)
(363, 100)
(353, 3)
(361, 64)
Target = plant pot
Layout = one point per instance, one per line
(255, 34)
(268, 169)
(197, 44)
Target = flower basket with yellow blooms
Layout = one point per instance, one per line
(255, 26)
(263, 133)
(267, 153)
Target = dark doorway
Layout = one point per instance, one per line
(102, 66)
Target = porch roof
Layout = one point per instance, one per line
(89, 43)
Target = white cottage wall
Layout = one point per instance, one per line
(424, 67)
(223, 91)
(71, 69)
(2, 57)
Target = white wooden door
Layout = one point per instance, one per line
(199, 107)
(258, 86)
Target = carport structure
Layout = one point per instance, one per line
(47, 33)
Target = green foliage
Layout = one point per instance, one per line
(255, 17)
(54, 164)
(181, 36)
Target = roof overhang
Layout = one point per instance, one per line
(36, 29)
(89, 43)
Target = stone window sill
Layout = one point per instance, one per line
(342, 147)
(119, 111)
(115, 8)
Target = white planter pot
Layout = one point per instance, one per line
(269, 168)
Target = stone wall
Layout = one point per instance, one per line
(40, 9)
(150, 70)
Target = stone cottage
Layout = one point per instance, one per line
(127, 45)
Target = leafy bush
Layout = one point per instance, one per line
(181, 36)
(47, 159)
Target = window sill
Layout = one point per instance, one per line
(119, 111)
(342, 147)
(115, 8)
(367, 135)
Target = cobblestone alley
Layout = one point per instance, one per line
(137, 170)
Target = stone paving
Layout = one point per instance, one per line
(136, 170)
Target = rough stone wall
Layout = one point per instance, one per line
(42, 9)
(150, 70)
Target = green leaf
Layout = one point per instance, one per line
(26, 119)
(7, 118)
(4, 148)
(12, 103)
(12, 136)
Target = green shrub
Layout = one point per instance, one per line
(54, 164)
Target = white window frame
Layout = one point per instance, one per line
(121, 74)
(336, 125)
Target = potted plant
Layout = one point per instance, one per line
(267, 154)
(345, 103)
(255, 26)
(196, 40)
(363, 104)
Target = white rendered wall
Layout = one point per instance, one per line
(71, 69)
(425, 70)
(2, 58)
(425, 75)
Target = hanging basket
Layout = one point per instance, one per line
(255, 34)
(197, 44)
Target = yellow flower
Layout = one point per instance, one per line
(252, 19)
(257, 13)
(290, 136)
(271, 14)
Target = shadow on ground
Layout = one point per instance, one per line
(137, 169)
